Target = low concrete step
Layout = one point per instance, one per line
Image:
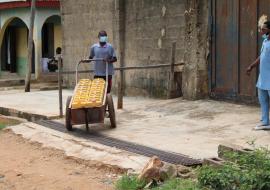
(11, 82)
(48, 77)
(34, 86)
(8, 75)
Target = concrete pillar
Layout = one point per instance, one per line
(195, 72)
(38, 48)
(119, 41)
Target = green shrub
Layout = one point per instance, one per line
(178, 184)
(4, 122)
(2, 126)
(129, 183)
(222, 178)
(245, 172)
(250, 171)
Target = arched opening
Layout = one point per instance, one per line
(14, 48)
(51, 40)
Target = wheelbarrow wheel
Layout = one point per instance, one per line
(111, 111)
(68, 115)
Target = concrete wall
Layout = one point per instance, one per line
(81, 22)
(150, 28)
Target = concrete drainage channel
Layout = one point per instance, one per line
(170, 157)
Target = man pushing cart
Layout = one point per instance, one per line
(92, 98)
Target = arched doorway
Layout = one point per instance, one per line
(14, 48)
(51, 39)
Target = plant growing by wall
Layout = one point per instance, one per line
(249, 171)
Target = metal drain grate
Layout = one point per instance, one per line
(170, 157)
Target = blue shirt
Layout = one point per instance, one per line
(264, 76)
(104, 52)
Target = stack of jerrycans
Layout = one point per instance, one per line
(88, 94)
(80, 96)
(96, 93)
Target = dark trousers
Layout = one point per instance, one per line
(109, 81)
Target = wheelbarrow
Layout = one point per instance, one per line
(90, 115)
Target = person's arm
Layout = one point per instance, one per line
(252, 65)
(112, 58)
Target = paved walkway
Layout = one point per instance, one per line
(38, 102)
(194, 128)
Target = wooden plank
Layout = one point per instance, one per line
(171, 84)
(247, 46)
(60, 86)
(224, 48)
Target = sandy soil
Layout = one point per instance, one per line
(28, 166)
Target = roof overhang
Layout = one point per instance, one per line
(22, 4)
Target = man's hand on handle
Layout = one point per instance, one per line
(111, 59)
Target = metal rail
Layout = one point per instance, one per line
(124, 68)
(59, 74)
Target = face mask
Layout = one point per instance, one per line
(265, 36)
(103, 39)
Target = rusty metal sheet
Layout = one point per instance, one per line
(225, 51)
(235, 44)
(247, 46)
(263, 7)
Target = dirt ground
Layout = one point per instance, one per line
(29, 166)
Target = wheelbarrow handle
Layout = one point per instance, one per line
(89, 61)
